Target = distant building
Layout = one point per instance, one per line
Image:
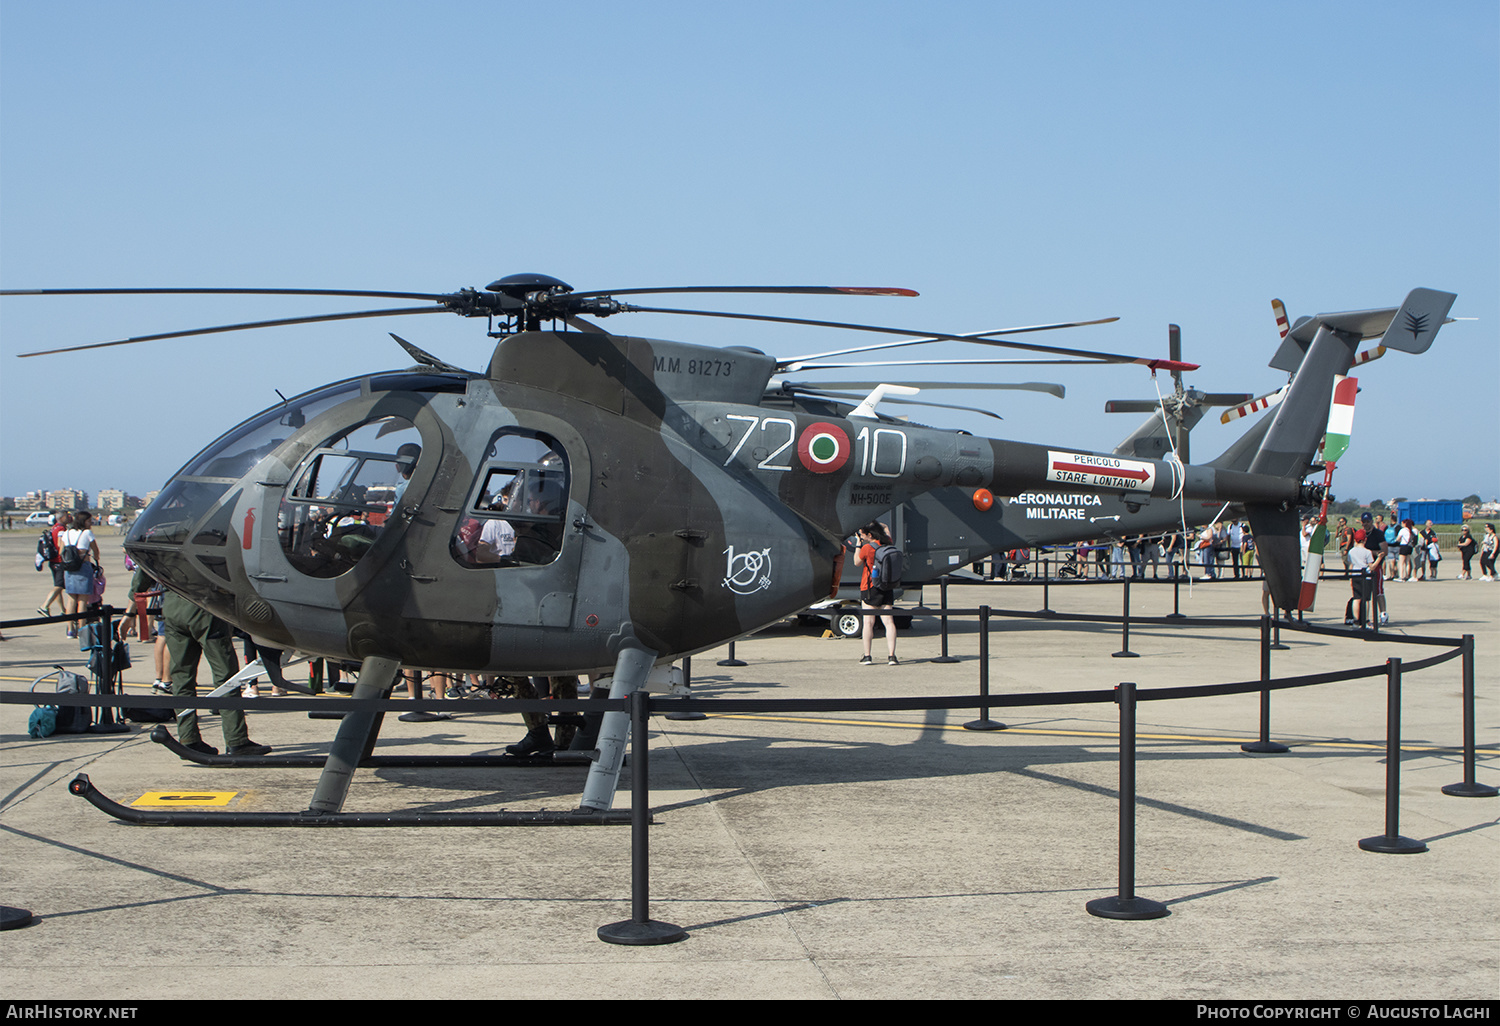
(31, 501)
(114, 500)
(67, 498)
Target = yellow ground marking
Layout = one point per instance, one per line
(1363, 746)
(185, 797)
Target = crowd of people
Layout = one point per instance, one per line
(1226, 548)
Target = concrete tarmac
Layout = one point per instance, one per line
(827, 855)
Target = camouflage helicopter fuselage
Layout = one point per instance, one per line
(687, 513)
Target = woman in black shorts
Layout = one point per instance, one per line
(873, 596)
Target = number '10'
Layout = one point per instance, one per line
(888, 448)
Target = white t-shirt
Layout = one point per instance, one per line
(499, 536)
(1360, 558)
(82, 540)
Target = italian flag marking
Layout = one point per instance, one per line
(1335, 444)
(823, 447)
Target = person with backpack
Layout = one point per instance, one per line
(78, 555)
(883, 565)
(46, 554)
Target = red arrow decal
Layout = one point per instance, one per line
(1084, 468)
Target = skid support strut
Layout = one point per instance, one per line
(632, 666)
(356, 735)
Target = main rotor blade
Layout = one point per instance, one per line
(844, 365)
(917, 338)
(981, 337)
(854, 398)
(244, 327)
(790, 290)
(435, 296)
(1191, 399)
(1019, 386)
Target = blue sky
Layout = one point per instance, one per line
(1014, 163)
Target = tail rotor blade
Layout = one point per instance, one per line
(1282, 324)
(1264, 402)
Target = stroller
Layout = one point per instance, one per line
(1017, 564)
(1073, 567)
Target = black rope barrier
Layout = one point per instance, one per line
(640, 929)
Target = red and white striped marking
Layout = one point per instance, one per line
(1265, 402)
(1282, 325)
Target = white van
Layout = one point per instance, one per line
(40, 516)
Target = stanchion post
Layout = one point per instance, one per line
(1176, 613)
(1125, 904)
(106, 636)
(1046, 609)
(1265, 745)
(984, 722)
(943, 621)
(1469, 788)
(640, 928)
(687, 683)
(1391, 842)
(1125, 652)
(731, 660)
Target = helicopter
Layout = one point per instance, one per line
(946, 529)
(603, 503)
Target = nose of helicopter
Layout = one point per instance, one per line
(187, 541)
(190, 537)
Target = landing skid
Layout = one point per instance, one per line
(84, 788)
(352, 749)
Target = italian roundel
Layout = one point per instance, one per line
(823, 447)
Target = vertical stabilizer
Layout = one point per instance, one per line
(1302, 417)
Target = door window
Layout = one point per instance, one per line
(515, 511)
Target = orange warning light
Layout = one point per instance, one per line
(983, 500)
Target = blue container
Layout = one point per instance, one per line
(1439, 512)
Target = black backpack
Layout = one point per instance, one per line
(890, 563)
(71, 558)
(46, 548)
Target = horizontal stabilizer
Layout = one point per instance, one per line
(1409, 327)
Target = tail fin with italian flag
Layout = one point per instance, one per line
(1335, 444)
(1320, 350)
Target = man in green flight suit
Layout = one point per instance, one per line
(193, 632)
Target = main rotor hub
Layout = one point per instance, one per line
(525, 286)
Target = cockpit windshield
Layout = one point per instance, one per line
(207, 476)
(235, 453)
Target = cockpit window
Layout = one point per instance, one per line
(516, 508)
(344, 493)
